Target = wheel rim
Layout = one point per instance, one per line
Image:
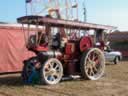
(52, 71)
(94, 65)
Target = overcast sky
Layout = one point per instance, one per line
(108, 12)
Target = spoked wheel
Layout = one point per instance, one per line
(92, 64)
(52, 71)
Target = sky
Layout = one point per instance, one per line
(108, 12)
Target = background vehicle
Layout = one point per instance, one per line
(112, 56)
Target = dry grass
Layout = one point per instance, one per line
(114, 83)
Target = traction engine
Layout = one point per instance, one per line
(62, 49)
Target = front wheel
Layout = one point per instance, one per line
(92, 64)
(52, 72)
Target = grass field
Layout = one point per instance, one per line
(113, 83)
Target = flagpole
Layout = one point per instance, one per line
(31, 8)
(85, 12)
(26, 9)
(66, 3)
(77, 10)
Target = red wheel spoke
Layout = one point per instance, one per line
(97, 61)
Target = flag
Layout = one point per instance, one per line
(75, 5)
(28, 1)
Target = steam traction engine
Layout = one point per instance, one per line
(63, 48)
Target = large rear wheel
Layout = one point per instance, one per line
(52, 71)
(92, 64)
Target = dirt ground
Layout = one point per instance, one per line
(113, 83)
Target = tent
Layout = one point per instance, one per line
(12, 48)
